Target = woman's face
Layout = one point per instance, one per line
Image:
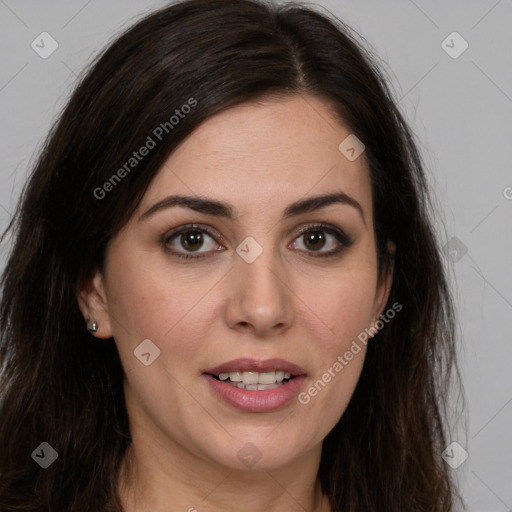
(254, 296)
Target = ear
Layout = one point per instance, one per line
(93, 304)
(383, 286)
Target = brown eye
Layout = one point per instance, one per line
(191, 240)
(314, 240)
(187, 240)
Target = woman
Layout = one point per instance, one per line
(225, 289)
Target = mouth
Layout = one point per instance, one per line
(255, 381)
(256, 386)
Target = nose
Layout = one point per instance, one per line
(260, 299)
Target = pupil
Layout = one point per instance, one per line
(314, 238)
(190, 239)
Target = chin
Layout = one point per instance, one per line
(257, 449)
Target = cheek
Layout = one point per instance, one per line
(150, 301)
(344, 304)
(339, 357)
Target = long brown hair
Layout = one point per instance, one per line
(62, 386)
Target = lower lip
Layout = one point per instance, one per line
(256, 401)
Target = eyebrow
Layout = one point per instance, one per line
(224, 210)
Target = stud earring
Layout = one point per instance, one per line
(93, 327)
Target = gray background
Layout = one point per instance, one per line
(461, 111)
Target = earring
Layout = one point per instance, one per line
(93, 327)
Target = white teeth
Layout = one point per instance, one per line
(253, 380)
(235, 376)
(262, 387)
(267, 378)
(255, 387)
(262, 378)
(250, 377)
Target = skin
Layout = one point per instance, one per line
(289, 303)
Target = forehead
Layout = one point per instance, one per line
(264, 154)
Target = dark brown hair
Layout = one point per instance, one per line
(61, 385)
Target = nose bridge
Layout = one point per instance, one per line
(261, 296)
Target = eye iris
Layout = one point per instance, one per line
(313, 238)
(189, 239)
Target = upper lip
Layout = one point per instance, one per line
(254, 365)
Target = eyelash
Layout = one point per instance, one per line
(345, 240)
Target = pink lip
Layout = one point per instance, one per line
(253, 365)
(256, 401)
